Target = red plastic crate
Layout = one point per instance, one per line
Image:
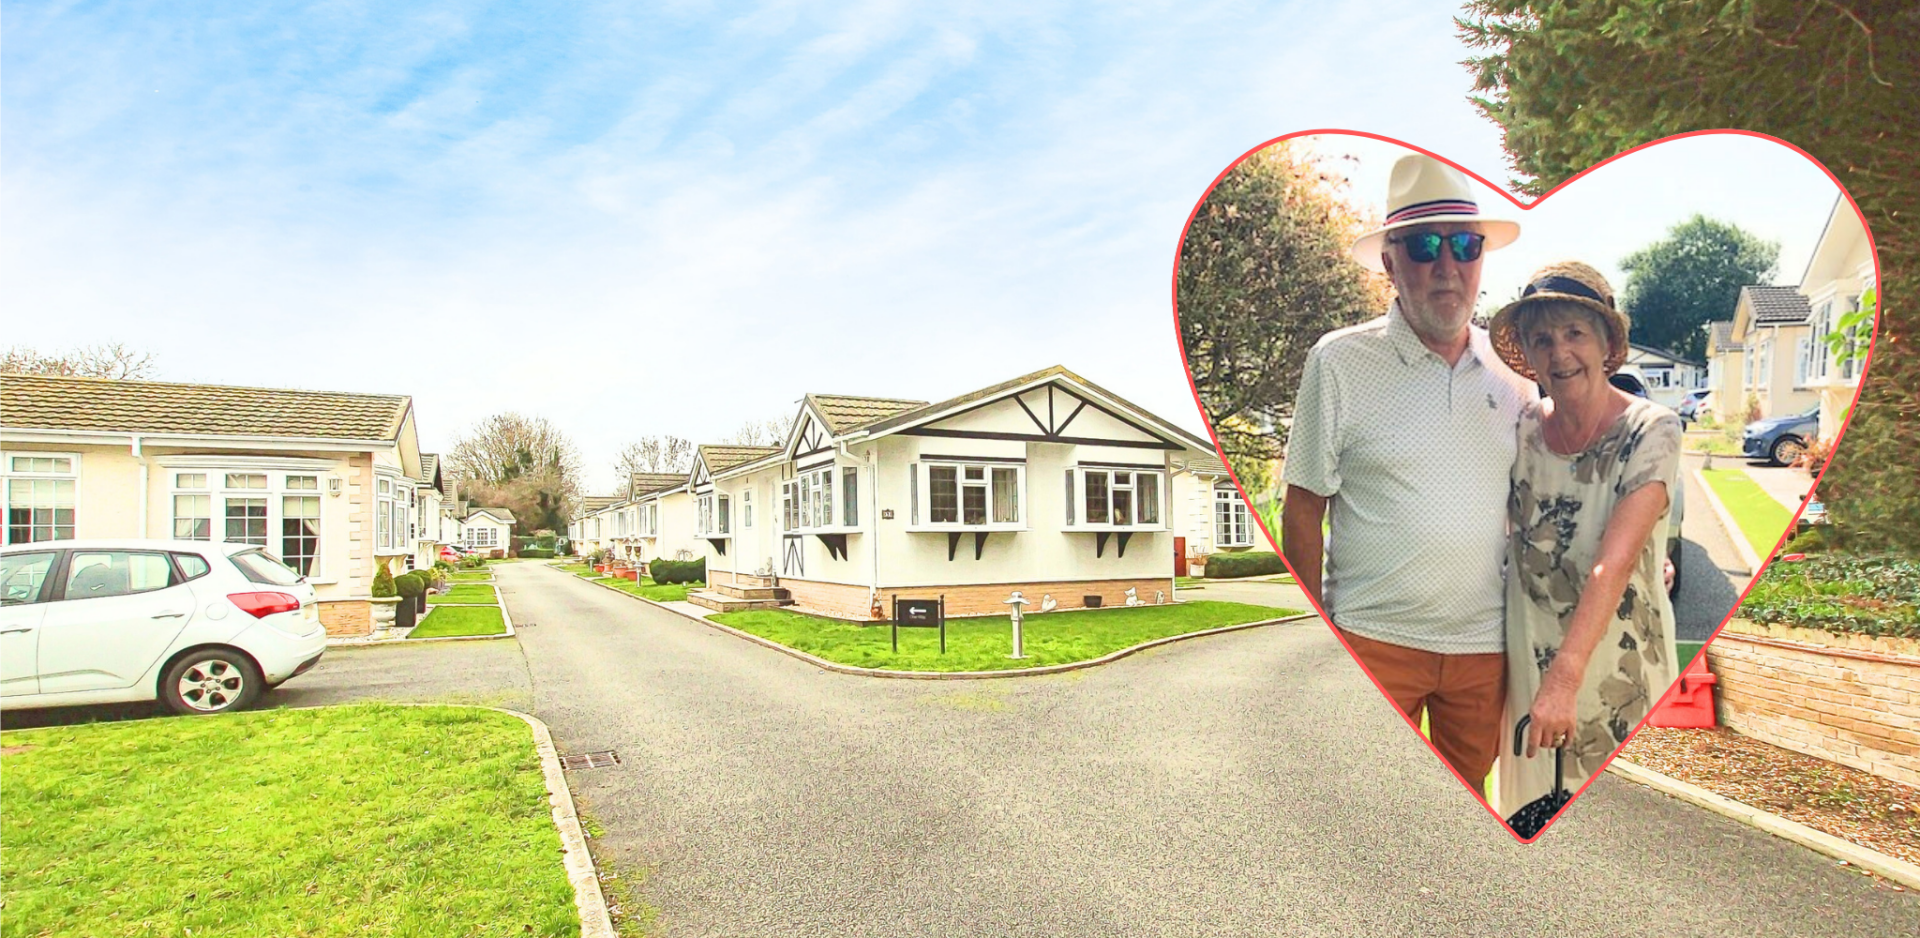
(1691, 706)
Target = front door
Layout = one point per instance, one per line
(118, 613)
(23, 579)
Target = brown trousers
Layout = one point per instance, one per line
(1465, 697)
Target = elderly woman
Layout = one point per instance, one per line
(1589, 626)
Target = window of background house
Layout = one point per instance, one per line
(193, 517)
(40, 509)
(300, 532)
(850, 491)
(247, 521)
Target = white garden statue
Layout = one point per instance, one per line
(1133, 597)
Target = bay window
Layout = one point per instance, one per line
(806, 500)
(965, 495)
(1113, 497)
(247, 506)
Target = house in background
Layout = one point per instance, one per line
(663, 518)
(487, 530)
(1838, 274)
(431, 495)
(1668, 376)
(324, 480)
(1770, 325)
(1726, 361)
(1047, 484)
(589, 530)
(1209, 514)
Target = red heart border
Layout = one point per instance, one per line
(1839, 436)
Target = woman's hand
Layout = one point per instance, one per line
(1554, 714)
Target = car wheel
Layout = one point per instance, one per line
(212, 680)
(1786, 449)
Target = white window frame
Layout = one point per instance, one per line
(1236, 529)
(280, 476)
(812, 501)
(8, 476)
(922, 484)
(1076, 513)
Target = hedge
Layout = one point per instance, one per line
(678, 571)
(536, 553)
(411, 585)
(1251, 563)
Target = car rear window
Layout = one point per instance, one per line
(260, 567)
(192, 566)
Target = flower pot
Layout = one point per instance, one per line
(382, 610)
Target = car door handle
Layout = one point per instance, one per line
(169, 615)
(11, 631)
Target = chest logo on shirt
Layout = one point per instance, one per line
(1490, 404)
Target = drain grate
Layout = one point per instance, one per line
(605, 758)
(524, 625)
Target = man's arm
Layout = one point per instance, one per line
(1300, 539)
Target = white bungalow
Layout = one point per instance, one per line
(1838, 275)
(1209, 516)
(1771, 325)
(1047, 484)
(663, 518)
(487, 530)
(1668, 376)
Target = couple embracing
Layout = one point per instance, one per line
(1498, 508)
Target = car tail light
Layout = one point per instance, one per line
(261, 605)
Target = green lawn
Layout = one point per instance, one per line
(339, 821)
(658, 592)
(479, 577)
(1684, 652)
(580, 569)
(449, 621)
(464, 593)
(1723, 441)
(1760, 518)
(983, 644)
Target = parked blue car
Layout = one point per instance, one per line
(1781, 440)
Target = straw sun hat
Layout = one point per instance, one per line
(1425, 191)
(1569, 282)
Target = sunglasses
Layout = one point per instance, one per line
(1424, 248)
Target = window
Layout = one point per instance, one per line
(723, 504)
(40, 509)
(21, 576)
(1802, 362)
(746, 507)
(806, 500)
(192, 566)
(303, 483)
(193, 517)
(246, 480)
(963, 495)
(189, 480)
(1855, 341)
(1232, 525)
(483, 536)
(850, 491)
(300, 531)
(100, 574)
(247, 521)
(260, 568)
(1116, 497)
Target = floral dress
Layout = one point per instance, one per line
(1558, 509)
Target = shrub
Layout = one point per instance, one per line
(678, 571)
(383, 582)
(473, 562)
(411, 585)
(544, 541)
(1863, 594)
(536, 553)
(442, 565)
(1251, 563)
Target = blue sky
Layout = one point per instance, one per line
(666, 218)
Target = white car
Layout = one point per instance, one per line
(202, 627)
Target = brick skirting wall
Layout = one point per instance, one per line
(347, 617)
(850, 602)
(1847, 699)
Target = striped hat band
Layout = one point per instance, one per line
(1420, 210)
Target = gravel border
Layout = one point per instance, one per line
(836, 667)
(1873, 861)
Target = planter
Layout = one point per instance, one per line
(382, 610)
(633, 575)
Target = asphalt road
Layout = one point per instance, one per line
(1713, 576)
(1244, 784)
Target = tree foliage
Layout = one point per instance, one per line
(1573, 84)
(105, 360)
(1692, 276)
(524, 464)
(666, 453)
(1264, 272)
(770, 432)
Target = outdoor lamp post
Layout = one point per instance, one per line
(1016, 601)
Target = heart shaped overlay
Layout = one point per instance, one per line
(1268, 268)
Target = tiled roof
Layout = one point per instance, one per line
(592, 503)
(644, 482)
(845, 414)
(1060, 371)
(1777, 306)
(119, 406)
(500, 513)
(1720, 336)
(1207, 465)
(720, 458)
(429, 464)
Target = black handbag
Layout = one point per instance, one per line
(1534, 815)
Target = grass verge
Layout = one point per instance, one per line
(1759, 517)
(470, 578)
(368, 819)
(658, 592)
(464, 593)
(983, 644)
(452, 621)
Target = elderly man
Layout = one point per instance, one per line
(1404, 428)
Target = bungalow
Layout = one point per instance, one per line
(1770, 323)
(324, 480)
(488, 530)
(1047, 484)
(663, 517)
(1209, 513)
(1726, 361)
(431, 530)
(1838, 275)
(590, 530)
(1668, 376)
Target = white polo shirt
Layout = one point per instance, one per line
(1416, 457)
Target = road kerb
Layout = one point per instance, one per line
(1873, 861)
(1734, 533)
(595, 922)
(837, 667)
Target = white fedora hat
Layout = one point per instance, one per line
(1422, 191)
